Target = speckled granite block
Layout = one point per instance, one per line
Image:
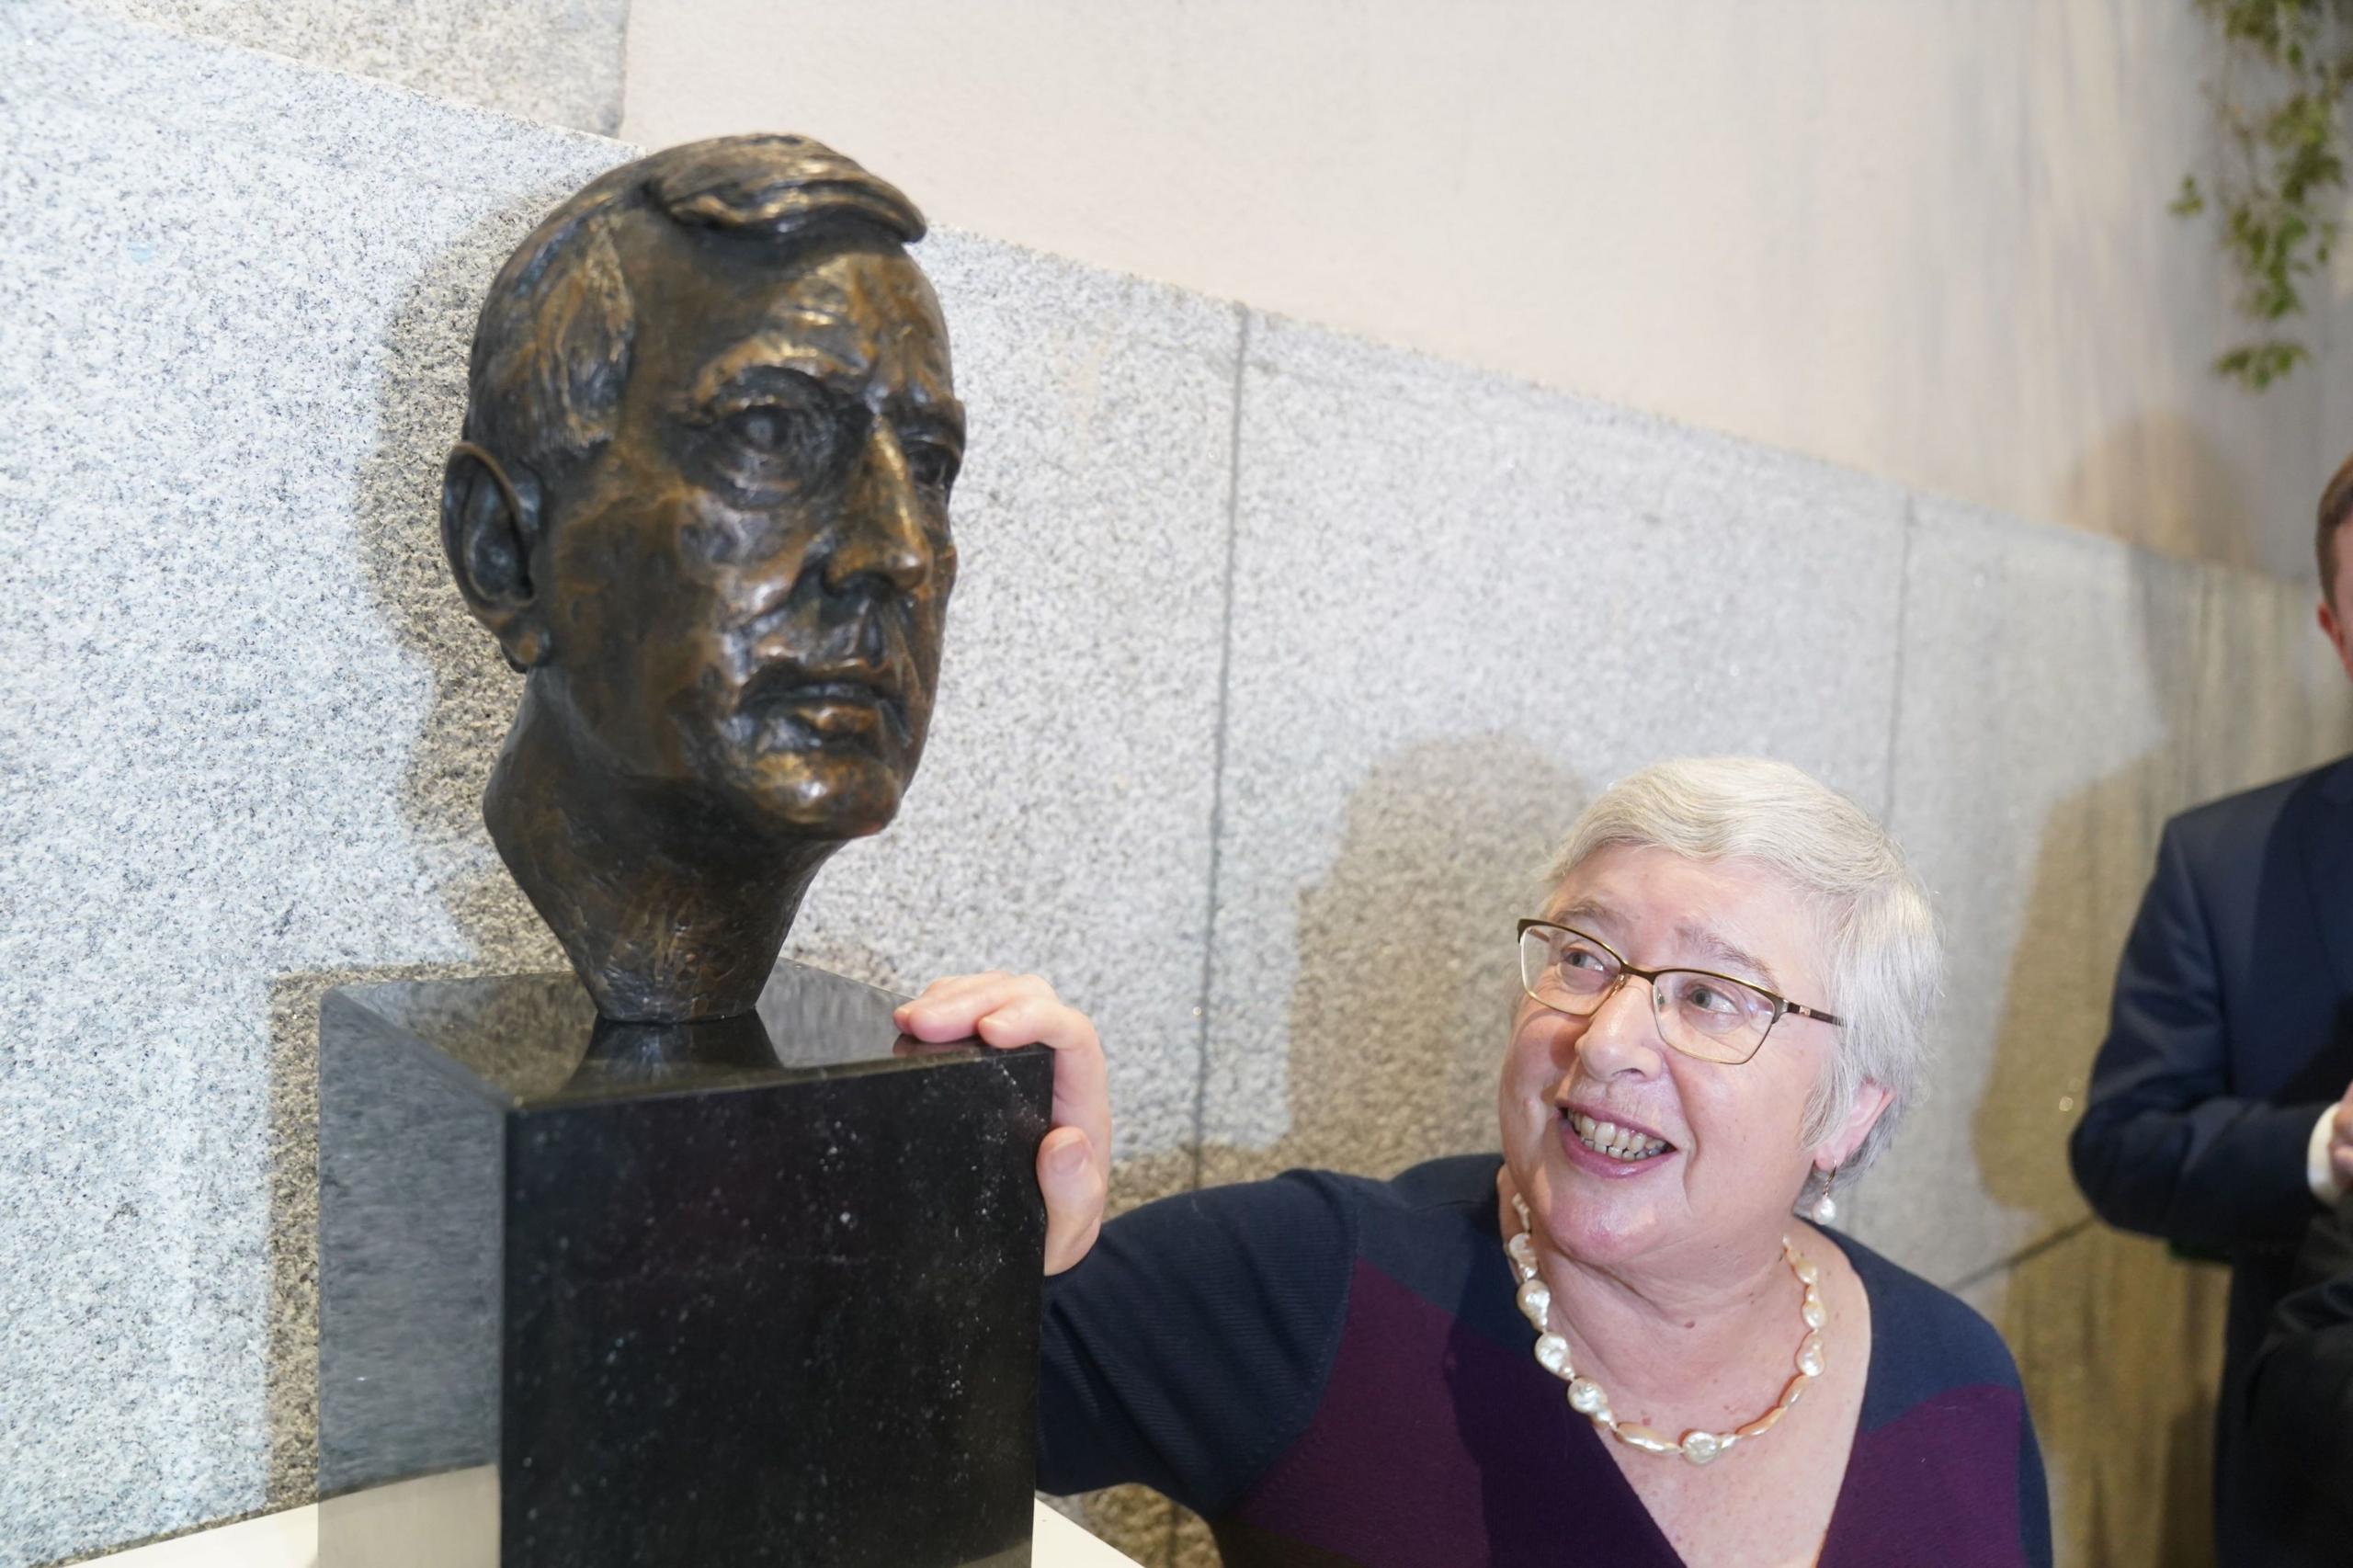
(1461, 608)
(761, 1289)
(2046, 725)
(555, 62)
(241, 731)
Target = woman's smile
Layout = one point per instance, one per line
(1626, 1147)
(1611, 1147)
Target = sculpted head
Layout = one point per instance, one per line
(702, 502)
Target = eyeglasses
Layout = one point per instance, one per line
(1712, 1017)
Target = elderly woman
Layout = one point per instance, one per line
(1615, 1343)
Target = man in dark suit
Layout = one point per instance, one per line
(2221, 1110)
(2300, 1400)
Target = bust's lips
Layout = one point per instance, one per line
(840, 703)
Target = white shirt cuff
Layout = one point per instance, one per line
(2323, 1182)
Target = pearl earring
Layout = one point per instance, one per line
(1826, 1207)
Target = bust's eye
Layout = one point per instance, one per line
(932, 464)
(768, 427)
(786, 441)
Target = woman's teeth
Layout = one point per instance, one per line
(1618, 1142)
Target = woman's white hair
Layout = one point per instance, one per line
(1884, 959)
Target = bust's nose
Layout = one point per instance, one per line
(883, 532)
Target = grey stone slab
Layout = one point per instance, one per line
(248, 722)
(554, 62)
(1061, 821)
(2046, 720)
(241, 727)
(1462, 607)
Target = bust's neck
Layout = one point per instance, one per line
(669, 906)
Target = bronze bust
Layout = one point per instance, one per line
(701, 501)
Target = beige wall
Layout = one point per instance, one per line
(1923, 239)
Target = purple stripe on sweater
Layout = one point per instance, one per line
(1434, 1447)
(1947, 1470)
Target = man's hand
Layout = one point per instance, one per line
(1074, 1161)
(2340, 1142)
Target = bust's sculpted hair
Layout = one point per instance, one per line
(1885, 957)
(552, 351)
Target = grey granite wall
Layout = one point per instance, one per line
(240, 738)
(1278, 662)
(553, 61)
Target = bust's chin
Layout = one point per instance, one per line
(671, 895)
(820, 792)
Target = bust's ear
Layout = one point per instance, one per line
(490, 522)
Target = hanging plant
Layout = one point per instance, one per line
(2287, 65)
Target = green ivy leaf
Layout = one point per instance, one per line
(2256, 365)
(2277, 207)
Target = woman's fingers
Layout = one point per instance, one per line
(947, 1009)
(1031, 1019)
(1075, 1160)
(1071, 1178)
(1081, 1082)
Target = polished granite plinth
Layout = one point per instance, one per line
(763, 1291)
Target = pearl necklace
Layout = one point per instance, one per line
(1586, 1396)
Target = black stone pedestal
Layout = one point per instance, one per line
(758, 1292)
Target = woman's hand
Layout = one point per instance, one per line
(1074, 1161)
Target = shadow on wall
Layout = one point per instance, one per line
(420, 402)
(1406, 974)
(2119, 1343)
(2120, 1347)
(2093, 861)
(2159, 481)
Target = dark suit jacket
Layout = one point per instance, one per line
(2232, 1031)
(2300, 1397)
